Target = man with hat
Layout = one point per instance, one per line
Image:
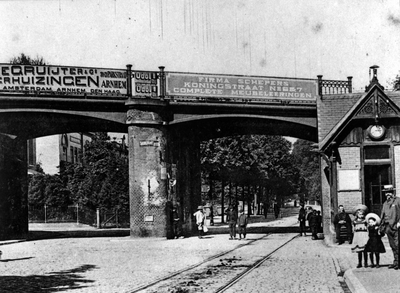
(391, 221)
(200, 218)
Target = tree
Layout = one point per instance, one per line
(307, 162)
(251, 160)
(26, 60)
(45, 189)
(102, 181)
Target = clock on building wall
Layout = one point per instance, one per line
(376, 131)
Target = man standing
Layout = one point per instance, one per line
(302, 219)
(266, 207)
(313, 223)
(242, 224)
(200, 218)
(391, 221)
(232, 219)
(175, 223)
(342, 220)
(277, 209)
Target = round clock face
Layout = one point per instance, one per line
(377, 131)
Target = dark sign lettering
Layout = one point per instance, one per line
(63, 80)
(145, 84)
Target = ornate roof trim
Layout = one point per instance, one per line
(375, 104)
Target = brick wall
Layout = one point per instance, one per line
(147, 188)
(349, 200)
(13, 188)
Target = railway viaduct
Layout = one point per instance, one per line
(166, 116)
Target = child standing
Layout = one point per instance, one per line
(374, 244)
(360, 237)
(242, 221)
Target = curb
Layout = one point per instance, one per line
(353, 283)
(6, 242)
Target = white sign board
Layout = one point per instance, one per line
(348, 180)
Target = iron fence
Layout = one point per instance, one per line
(100, 218)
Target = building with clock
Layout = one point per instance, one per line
(359, 144)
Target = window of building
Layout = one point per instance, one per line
(379, 152)
(65, 154)
(72, 154)
(76, 155)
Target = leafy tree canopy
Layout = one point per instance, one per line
(307, 162)
(251, 160)
(26, 60)
(102, 181)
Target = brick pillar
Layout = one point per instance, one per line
(148, 180)
(13, 188)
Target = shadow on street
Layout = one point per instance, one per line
(52, 282)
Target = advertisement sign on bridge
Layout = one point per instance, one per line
(62, 80)
(245, 87)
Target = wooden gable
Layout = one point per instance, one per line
(374, 105)
(377, 105)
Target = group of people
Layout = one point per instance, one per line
(241, 220)
(365, 232)
(314, 219)
(275, 206)
(233, 219)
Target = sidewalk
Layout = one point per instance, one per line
(358, 280)
(368, 279)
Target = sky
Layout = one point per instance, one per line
(281, 38)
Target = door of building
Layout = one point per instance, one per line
(375, 177)
(377, 173)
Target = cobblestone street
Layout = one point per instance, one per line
(117, 264)
(124, 264)
(303, 265)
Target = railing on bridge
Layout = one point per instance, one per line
(334, 87)
(121, 84)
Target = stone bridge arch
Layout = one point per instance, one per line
(164, 141)
(23, 121)
(214, 126)
(30, 120)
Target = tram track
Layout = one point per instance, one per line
(250, 269)
(210, 268)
